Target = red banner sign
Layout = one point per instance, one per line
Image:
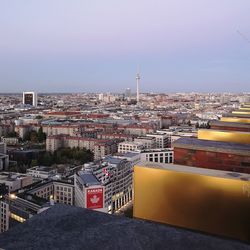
(95, 198)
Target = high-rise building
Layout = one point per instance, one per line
(128, 93)
(30, 98)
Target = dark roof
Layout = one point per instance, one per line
(88, 178)
(213, 146)
(68, 227)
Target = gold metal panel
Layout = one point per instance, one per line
(245, 108)
(210, 204)
(224, 135)
(241, 112)
(235, 119)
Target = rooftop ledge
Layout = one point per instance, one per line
(68, 227)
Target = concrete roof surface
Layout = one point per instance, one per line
(68, 227)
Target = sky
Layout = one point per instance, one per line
(99, 46)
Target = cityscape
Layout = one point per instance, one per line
(120, 156)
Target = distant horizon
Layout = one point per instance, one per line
(133, 93)
(99, 46)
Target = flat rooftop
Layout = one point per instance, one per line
(230, 124)
(41, 168)
(213, 146)
(88, 178)
(195, 170)
(11, 176)
(68, 227)
(154, 150)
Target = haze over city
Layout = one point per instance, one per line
(97, 46)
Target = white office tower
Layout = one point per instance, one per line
(137, 88)
(30, 98)
(128, 93)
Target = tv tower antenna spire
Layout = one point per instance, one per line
(137, 88)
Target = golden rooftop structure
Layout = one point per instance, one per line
(224, 135)
(212, 201)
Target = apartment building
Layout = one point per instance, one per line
(99, 147)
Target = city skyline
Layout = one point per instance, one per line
(97, 47)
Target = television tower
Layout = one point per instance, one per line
(137, 85)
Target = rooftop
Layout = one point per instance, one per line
(196, 170)
(88, 178)
(11, 176)
(67, 227)
(41, 168)
(214, 146)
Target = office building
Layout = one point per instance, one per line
(55, 190)
(157, 155)
(114, 175)
(15, 181)
(89, 192)
(30, 98)
(162, 140)
(124, 147)
(42, 172)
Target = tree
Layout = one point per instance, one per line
(33, 136)
(47, 159)
(26, 136)
(41, 135)
(34, 163)
(12, 134)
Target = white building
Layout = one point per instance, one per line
(158, 155)
(124, 147)
(89, 192)
(115, 174)
(42, 172)
(147, 142)
(162, 140)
